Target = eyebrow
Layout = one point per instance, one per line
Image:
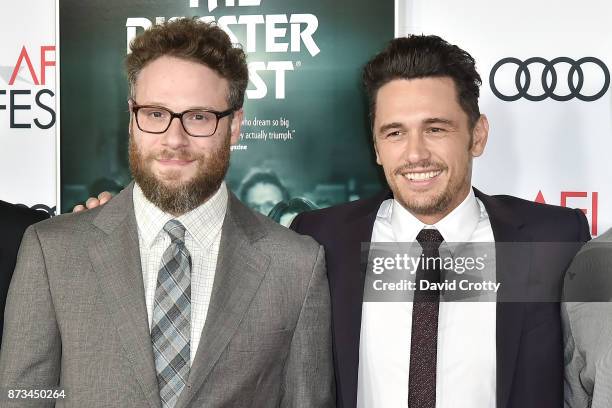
(448, 122)
(388, 126)
(161, 105)
(428, 121)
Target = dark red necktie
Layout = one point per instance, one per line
(424, 341)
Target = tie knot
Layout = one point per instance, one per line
(176, 230)
(430, 238)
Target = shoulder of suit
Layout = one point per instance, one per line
(18, 216)
(599, 248)
(69, 222)
(528, 205)
(342, 212)
(588, 281)
(606, 237)
(544, 222)
(534, 212)
(283, 236)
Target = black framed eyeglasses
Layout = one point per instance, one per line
(196, 122)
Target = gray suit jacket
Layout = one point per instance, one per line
(76, 317)
(587, 326)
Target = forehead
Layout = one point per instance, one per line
(180, 83)
(419, 98)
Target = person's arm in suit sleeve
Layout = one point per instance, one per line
(295, 224)
(31, 345)
(584, 233)
(574, 394)
(309, 377)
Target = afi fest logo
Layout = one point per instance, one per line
(578, 198)
(281, 33)
(23, 89)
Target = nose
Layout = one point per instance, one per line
(175, 136)
(416, 149)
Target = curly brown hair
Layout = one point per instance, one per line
(193, 40)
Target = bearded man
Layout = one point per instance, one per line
(173, 294)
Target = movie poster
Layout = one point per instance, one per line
(305, 139)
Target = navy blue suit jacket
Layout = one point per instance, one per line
(529, 338)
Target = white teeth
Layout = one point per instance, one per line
(422, 176)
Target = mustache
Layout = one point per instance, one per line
(427, 165)
(166, 154)
(178, 154)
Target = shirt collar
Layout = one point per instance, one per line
(457, 226)
(202, 223)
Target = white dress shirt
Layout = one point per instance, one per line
(202, 239)
(466, 356)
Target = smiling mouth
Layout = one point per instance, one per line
(422, 176)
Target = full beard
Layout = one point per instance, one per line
(173, 196)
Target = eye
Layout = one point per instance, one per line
(199, 116)
(393, 134)
(153, 113)
(435, 130)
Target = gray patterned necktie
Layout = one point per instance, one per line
(171, 326)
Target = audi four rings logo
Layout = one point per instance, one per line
(549, 82)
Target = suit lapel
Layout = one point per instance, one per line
(240, 270)
(512, 270)
(116, 260)
(347, 297)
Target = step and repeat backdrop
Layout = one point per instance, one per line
(545, 68)
(28, 100)
(305, 138)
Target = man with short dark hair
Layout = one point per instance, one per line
(173, 294)
(13, 222)
(427, 128)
